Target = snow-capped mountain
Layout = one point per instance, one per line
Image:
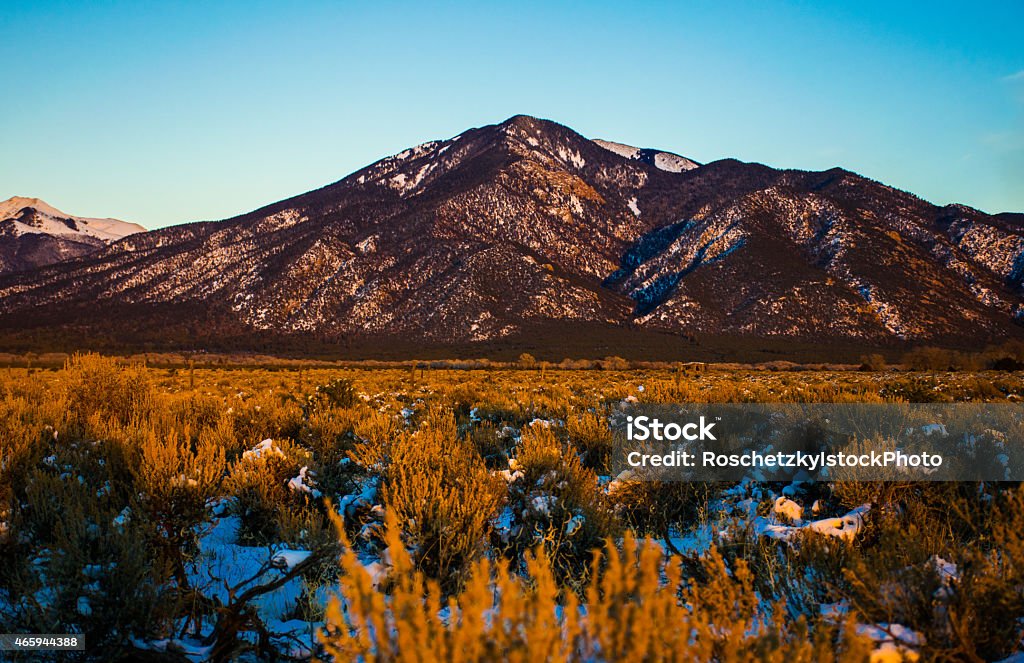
(525, 231)
(34, 233)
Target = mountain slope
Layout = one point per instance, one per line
(508, 230)
(34, 233)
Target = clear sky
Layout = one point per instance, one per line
(173, 112)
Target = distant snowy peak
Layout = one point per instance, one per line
(32, 216)
(673, 163)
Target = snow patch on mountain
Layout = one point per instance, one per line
(571, 156)
(627, 151)
(633, 208)
(673, 163)
(666, 161)
(24, 216)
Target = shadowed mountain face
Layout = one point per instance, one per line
(525, 225)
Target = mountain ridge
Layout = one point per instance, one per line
(505, 229)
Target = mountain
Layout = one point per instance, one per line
(33, 234)
(525, 234)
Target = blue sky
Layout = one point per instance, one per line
(168, 113)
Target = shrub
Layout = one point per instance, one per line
(558, 502)
(638, 608)
(440, 490)
(259, 480)
(174, 482)
(99, 389)
(338, 393)
(592, 436)
(872, 362)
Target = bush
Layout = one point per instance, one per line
(592, 436)
(259, 481)
(638, 608)
(439, 488)
(872, 362)
(558, 503)
(98, 390)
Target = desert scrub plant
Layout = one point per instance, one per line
(265, 415)
(106, 581)
(558, 502)
(100, 388)
(915, 389)
(440, 490)
(259, 480)
(24, 441)
(174, 482)
(376, 433)
(89, 567)
(950, 569)
(330, 434)
(796, 575)
(656, 508)
(493, 443)
(338, 393)
(637, 608)
(592, 436)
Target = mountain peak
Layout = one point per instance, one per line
(37, 216)
(36, 233)
(527, 122)
(15, 204)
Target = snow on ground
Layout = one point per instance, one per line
(627, 151)
(289, 559)
(673, 163)
(695, 542)
(789, 509)
(844, 527)
(265, 447)
(666, 161)
(571, 156)
(574, 524)
(947, 571)
(364, 498)
(304, 483)
(895, 642)
(222, 564)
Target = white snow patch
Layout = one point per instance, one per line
(844, 527)
(633, 208)
(574, 524)
(571, 156)
(895, 642)
(666, 161)
(267, 446)
(673, 163)
(289, 559)
(627, 151)
(543, 504)
(304, 483)
(788, 508)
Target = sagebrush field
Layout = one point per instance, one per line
(430, 514)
